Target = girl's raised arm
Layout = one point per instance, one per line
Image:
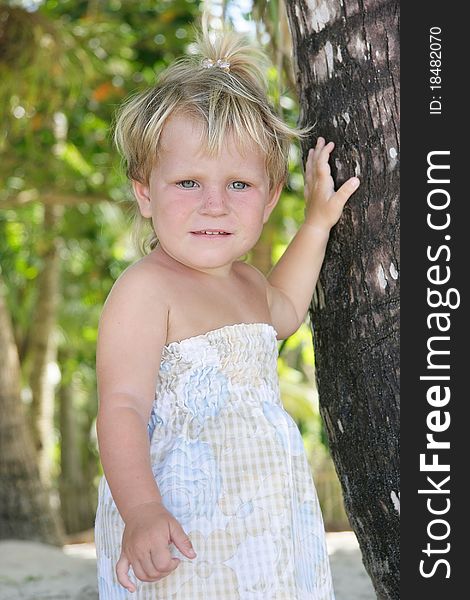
(292, 281)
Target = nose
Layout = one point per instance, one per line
(214, 202)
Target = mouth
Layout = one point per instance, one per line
(211, 233)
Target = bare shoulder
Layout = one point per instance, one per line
(252, 274)
(141, 280)
(139, 296)
(276, 305)
(283, 317)
(131, 334)
(256, 279)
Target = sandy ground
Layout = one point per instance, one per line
(32, 571)
(350, 579)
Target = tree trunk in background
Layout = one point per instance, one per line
(25, 512)
(346, 56)
(261, 254)
(43, 344)
(76, 504)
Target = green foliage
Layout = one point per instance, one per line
(77, 61)
(64, 68)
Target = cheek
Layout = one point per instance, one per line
(251, 207)
(255, 216)
(253, 226)
(172, 211)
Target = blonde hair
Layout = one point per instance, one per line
(233, 102)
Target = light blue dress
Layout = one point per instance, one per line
(231, 467)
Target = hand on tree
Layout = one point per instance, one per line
(149, 530)
(323, 205)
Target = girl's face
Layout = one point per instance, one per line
(190, 194)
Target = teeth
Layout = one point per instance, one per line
(213, 232)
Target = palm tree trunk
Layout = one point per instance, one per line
(346, 57)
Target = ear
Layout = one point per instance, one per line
(142, 195)
(273, 200)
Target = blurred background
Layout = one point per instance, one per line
(65, 236)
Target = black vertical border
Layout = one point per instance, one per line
(421, 133)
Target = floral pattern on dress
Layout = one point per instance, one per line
(286, 430)
(309, 537)
(108, 586)
(230, 465)
(189, 480)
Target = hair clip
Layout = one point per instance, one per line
(222, 63)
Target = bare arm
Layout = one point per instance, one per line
(132, 331)
(292, 281)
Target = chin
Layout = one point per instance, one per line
(207, 258)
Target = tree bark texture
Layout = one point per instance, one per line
(25, 512)
(347, 66)
(43, 344)
(76, 500)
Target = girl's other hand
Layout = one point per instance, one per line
(323, 205)
(149, 530)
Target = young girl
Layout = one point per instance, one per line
(207, 493)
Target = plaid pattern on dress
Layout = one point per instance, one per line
(231, 467)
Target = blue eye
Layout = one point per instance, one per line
(240, 188)
(186, 181)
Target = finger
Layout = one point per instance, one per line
(347, 189)
(182, 541)
(322, 165)
(155, 564)
(325, 151)
(140, 572)
(122, 570)
(315, 150)
(148, 573)
(146, 569)
(318, 147)
(310, 159)
(319, 159)
(164, 564)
